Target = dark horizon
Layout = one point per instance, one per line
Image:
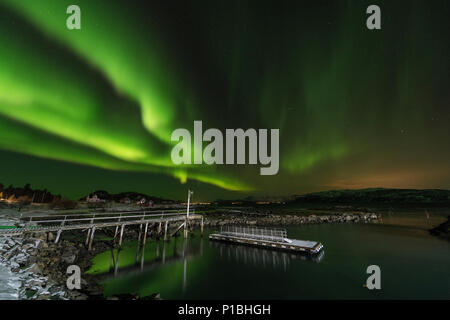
(260, 197)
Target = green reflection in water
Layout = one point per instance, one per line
(163, 268)
(414, 265)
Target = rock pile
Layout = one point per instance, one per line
(20, 256)
(285, 220)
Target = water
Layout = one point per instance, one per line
(413, 265)
(9, 284)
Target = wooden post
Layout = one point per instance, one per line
(201, 227)
(87, 237)
(145, 234)
(140, 234)
(58, 234)
(92, 238)
(159, 229)
(60, 230)
(184, 274)
(121, 235)
(117, 227)
(165, 231)
(187, 214)
(89, 230)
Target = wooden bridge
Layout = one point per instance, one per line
(93, 220)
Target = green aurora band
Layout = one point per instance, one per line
(355, 108)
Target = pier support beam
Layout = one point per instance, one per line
(145, 234)
(187, 214)
(87, 237)
(185, 229)
(117, 227)
(92, 238)
(116, 232)
(140, 234)
(165, 231)
(121, 235)
(201, 227)
(58, 234)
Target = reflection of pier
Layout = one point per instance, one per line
(261, 256)
(182, 252)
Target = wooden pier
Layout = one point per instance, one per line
(91, 222)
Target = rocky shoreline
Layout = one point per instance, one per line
(41, 265)
(19, 255)
(286, 220)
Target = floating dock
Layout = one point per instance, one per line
(265, 238)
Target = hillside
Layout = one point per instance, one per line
(379, 195)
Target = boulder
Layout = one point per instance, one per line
(35, 269)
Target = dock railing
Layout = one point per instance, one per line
(268, 234)
(98, 218)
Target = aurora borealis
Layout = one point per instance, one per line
(95, 108)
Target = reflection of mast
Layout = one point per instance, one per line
(184, 264)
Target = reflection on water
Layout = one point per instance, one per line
(260, 256)
(177, 250)
(9, 284)
(182, 250)
(137, 269)
(179, 263)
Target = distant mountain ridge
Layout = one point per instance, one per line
(379, 195)
(439, 197)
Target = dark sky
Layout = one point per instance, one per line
(95, 108)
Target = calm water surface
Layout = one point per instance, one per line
(413, 265)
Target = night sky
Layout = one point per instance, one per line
(94, 108)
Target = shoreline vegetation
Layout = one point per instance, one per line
(42, 264)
